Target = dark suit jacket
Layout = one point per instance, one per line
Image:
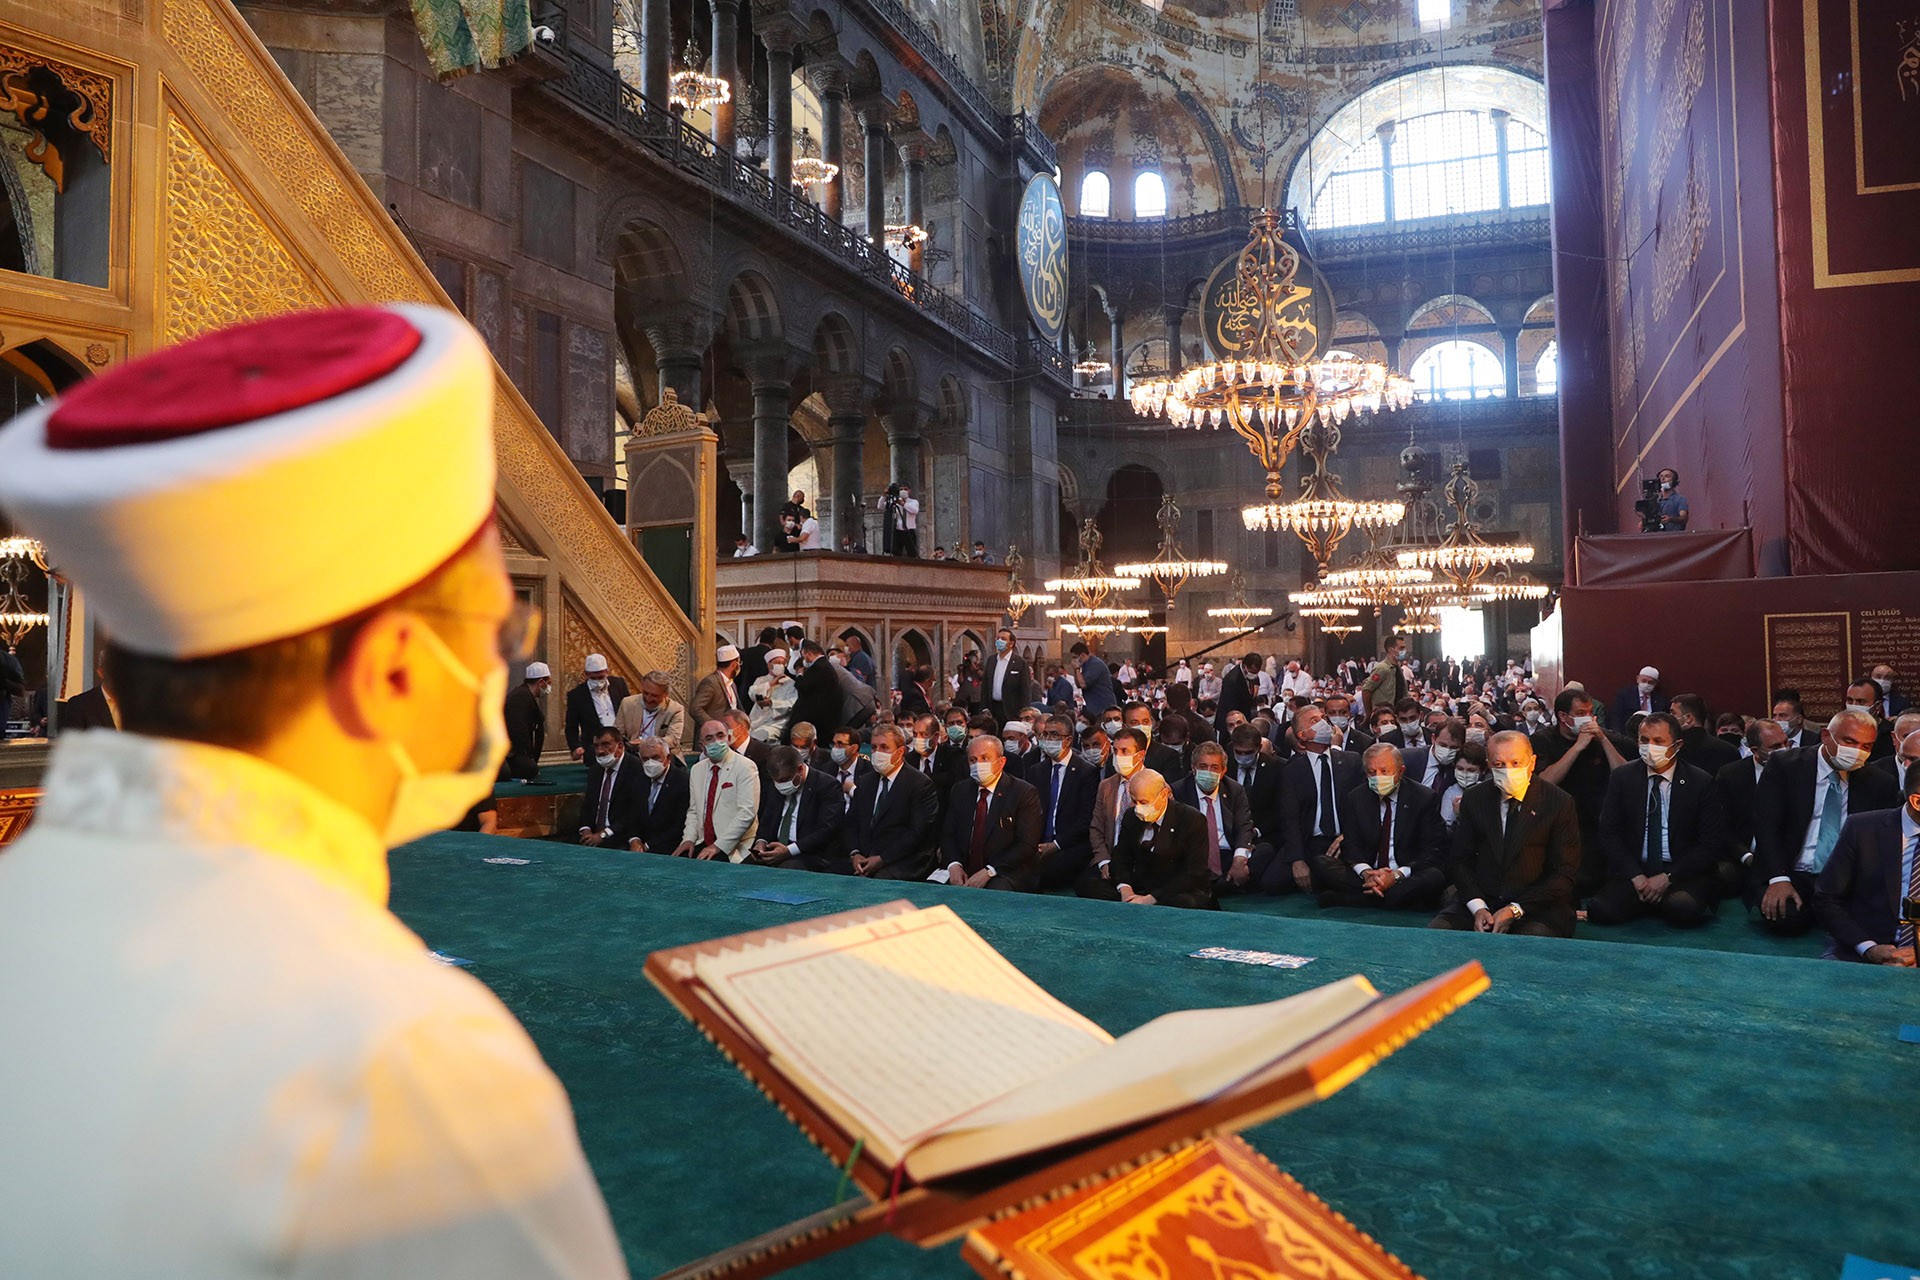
(1166, 761)
(1299, 799)
(1735, 785)
(1263, 796)
(661, 826)
(1858, 894)
(526, 731)
(1695, 834)
(1534, 865)
(1236, 694)
(1073, 812)
(1416, 759)
(1419, 832)
(1171, 865)
(1783, 806)
(88, 709)
(582, 720)
(1014, 819)
(817, 699)
(902, 834)
(913, 702)
(1626, 705)
(753, 665)
(626, 807)
(819, 823)
(1016, 688)
(1703, 750)
(1890, 767)
(1234, 808)
(1096, 685)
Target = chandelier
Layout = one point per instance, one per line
(809, 170)
(905, 235)
(1148, 631)
(691, 89)
(1464, 557)
(1270, 396)
(1092, 587)
(17, 615)
(1169, 569)
(1090, 365)
(1019, 599)
(1237, 615)
(1420, 624)
(1323, 515)
(1339, 628)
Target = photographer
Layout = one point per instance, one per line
(900, 521)
(1662, 507)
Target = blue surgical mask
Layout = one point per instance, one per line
(839, 755)
(999, 646)
(717, 751)
(1322, 731)
(1050, 747)
(1206, 779)
(1246, 758)
(955, 732)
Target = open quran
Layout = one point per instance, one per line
(954, 1089)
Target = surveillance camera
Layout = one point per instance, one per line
(544, 35)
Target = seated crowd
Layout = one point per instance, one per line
(1458, 794)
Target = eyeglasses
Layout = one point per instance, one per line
(518, 638)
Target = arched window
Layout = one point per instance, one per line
(1096, 195)
(1149, 196)
(1546, 370)
(1457, 370)
(1355, 193)
(1527, 175)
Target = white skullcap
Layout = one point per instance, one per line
(776, 655)
(538, 671)
(1020, 727)
(726, 654)
(791, 626)
(261, 481)
(1651, 673)
(595, 663)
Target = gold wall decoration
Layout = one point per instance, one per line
(670, 417)
(91, 116)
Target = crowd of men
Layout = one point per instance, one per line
(1448, 790)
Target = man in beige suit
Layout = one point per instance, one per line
(1110, 802)
(652, 713)
(724, 800)
(716, 694)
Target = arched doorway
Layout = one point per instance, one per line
(910, 650)
(1126, 522)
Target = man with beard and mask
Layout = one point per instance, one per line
(225, 1056)
(592, 704)
(526, 714)
(1516, 851)
(1801, 802)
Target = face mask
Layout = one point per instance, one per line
(1512, 782)
(999, 646)
(1581, 722)
(1146, 814)
(1383, 784)
(1847, 759)
(1051, 747)
(787, 788)
(1534, 717)
(653, 768)
(1886, 685)
(427, 802)
(1654, 756)
(605, 761)
(922, 745)
(955, 732)
(1410, 727)
(1666, 486)
(777, 670)
(1092, 756)
(1466, 777)
(1245, 759)
(984, 771)
(1322, 731)
(839, 755)
(1125, 764)
(883, 761)
(717, 751)
(1341, 722)
(598, 686)
(1476, 735)
(1786, 727)
(1646, 686)
(1206, 779)
(1147, 729)
(1111, 727)
(838, 661)
(1012, 746)
(1865, 708)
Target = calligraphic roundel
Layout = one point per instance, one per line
(1229, 317)
(1042, 245)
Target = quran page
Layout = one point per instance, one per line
(899, 1024)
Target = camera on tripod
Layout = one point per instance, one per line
(1649, 506)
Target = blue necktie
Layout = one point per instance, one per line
(1832, 815)
(1904, 938)
(1053, 795)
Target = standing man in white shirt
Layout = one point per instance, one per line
(1297, 682)
(1009, 682)
(900, 512)
(225, 1058)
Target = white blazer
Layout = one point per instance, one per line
(736, 804)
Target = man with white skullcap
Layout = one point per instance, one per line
(526, 714)
(717, 694)
(224, 1057)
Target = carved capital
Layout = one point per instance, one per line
(826, 75)
(671, 418)
(681, 330)
(874, 110)
(846, 395)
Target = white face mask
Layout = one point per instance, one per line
(883, 761)
(922, 745)
(1124, 765)
(1322, 731)
(1146, 813)
(1866, 708)
(1476, 735)
(984, 771)
(777, 670)
(1655, 756)
(1012, 746)
(605, 761)
(787, 788)
(1847, 759)
(1786, 727)
(424, 803)
(1445, 755)
(653, 768)
(1885, 683)
(1581, 722)
(1513, 781)
(1646, 686)
(1466, 777)
(839, 755)
(598, 684)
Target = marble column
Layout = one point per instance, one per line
(1116, 351)
(1500, 145)
(833, 147)
(875, 125)
(823, 495)
(725, 65)
(1385, 133)
(913, 182)
(656, 53)
(780, 113)
(1175, 316)
(1510, 342)
(903, 450)
(770, 397)
(849, 437)
(680, 369)
(740, 471)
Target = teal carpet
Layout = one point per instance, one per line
(1604, 1111)
(555, 780)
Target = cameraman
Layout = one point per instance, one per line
(1672, 505)
(901, 521)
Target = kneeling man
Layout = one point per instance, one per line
(1393, 854)
(1516, 850)
(992, 837)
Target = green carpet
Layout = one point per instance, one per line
(555, 780)
(1603, 1111)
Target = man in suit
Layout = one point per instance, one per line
(994, 821)
(1160, 858)
(1803, 799)
(615, 793)
(1906, 749)
(724, 800)
(805, 738)
(1393, 853)
(594, 702)
(1644, 698)
(1259, 776)
(92, 708)
(1735, 785)
(1516, 851)
(716, 693)
(1237, 858)
(916, 698)
(1875, 869)
(1096, 680)
(1236, 691)
(1067, 786)
(1658, 832)
(663, 799)
(801, 817)
(753, 660)
(1431, 763)
(1180, 707)
(1008, 680)
(1161, 758)
(1892, 702)
(526, 716)
(818, 699)
(1311, 784)
(1409, 728)
(1125, 753)
(859, 661)
(1578, 755)
(895, 818)
(1347, 736)
(759, 750)
(1864, 696)
(652, 713)
(1698, 744)
(1789, 715)
(846, 763)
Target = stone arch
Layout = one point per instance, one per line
(1449, 311)
(1184, 145)
(943, 151)
(1069, 487)
(960, 643)
(753, 311)
(864, 79)
(953, 402)
(899, 383)
(647, 263)
(911, 647)
(836, 349)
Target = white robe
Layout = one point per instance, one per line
(225, 1058)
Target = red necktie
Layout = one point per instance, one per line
(713, 793)
(1213, 835)
(977, 851)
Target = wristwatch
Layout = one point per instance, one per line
(1519, 912)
